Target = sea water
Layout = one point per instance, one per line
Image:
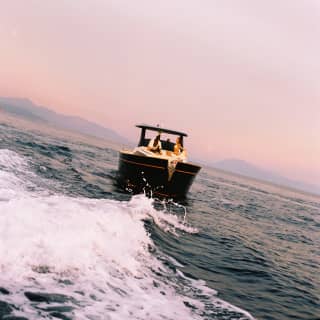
(74, 246)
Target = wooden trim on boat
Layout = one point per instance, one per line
(158, 167)
(188, 172)
(143, 164)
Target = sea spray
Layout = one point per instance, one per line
(90, 258)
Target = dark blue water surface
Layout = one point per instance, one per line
(74, 246)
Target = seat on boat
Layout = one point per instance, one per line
(167, 145)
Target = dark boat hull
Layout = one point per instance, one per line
(151, 175)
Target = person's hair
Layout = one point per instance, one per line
(157, 138)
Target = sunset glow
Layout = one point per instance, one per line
(241, 77)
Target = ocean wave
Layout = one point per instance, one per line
(90, 258)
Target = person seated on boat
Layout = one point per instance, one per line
(155, 145)
(178, 149)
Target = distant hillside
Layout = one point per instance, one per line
(249, 170)
(27, 109)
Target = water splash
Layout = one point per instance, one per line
(90, 258)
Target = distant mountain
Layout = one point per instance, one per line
(249, 170)
(27, 109)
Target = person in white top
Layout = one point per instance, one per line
(155, 145)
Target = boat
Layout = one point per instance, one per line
(165, 173)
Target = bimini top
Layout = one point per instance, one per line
(163, 130)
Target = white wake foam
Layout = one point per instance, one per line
(95, 251)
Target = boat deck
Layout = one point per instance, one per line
(165, 154)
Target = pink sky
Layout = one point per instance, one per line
(241, 77)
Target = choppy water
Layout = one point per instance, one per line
(73, 246)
